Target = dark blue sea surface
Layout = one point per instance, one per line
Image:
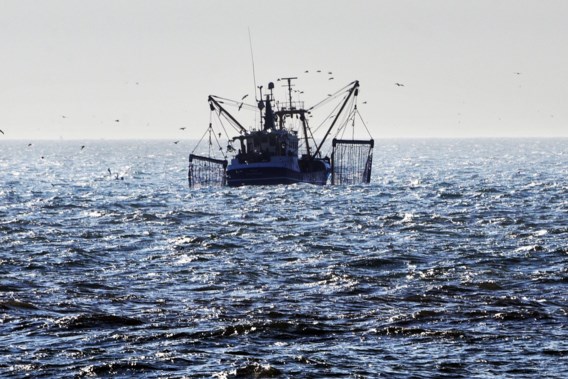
(451, 263)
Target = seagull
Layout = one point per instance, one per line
(330, 73)
(1, 131)
(319, 71)
(176, 142)
(182, 128)
(63, 116)
(307, 71)
(364, 102)
(82, 147)
(244, 97)
(517, 73)
(29, 144)
(116, 120)
(240, 106)
(331, 78)
(399, 84)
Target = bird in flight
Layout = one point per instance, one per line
(116, 120)
(517, 73)
(182, 128)
(82, 147)
(399, 84)
(244, 97)
(176, 142)
(1, 131)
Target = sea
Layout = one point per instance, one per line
(451, 263)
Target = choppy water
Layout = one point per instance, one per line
(452, 263)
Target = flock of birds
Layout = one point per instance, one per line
(31, 144)
(319, 71)
(116, 175)
(330, 73)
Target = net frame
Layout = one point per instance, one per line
(351, 161)
(206, 172)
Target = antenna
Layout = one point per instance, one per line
(252, 59)
(290, 85)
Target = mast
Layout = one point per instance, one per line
(289, 80)
(269, 113)
(351, 91)
(305, 125)
(291, 111)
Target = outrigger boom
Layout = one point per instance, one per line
(272, 154)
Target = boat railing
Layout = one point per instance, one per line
(293, 106)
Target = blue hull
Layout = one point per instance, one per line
(262, 176)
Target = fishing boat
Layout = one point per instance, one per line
(282, 147)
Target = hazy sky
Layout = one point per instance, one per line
(70, 68)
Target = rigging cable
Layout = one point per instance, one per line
(330, 97)
(204, 134)
(329, 116)
(218, 144)
(361, 118)
(223, 127)
(253, 71)
(236, 103)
